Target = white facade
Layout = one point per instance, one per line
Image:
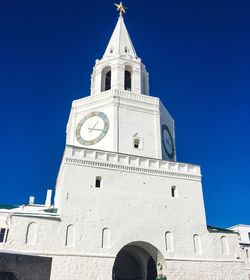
(244, 233)
(124, 207)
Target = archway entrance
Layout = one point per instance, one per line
(136, 261)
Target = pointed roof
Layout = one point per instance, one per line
(120, 42)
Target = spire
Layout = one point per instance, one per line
(120, 43)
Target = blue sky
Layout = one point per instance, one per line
(197, 54)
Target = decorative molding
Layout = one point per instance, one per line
(86, 255)
(130, 163)
(117, 93)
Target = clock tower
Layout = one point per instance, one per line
(120, 115)
(124, 207)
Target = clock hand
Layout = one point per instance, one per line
(90, 129)
(170, 145)
(98, 129)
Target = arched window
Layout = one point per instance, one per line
(173, 191)
(105, 238)
(197, 244)
(106, 79)
(70, 236)
(31, 234)
(128, 78)
(98, 182)
(169, 241)
(224, 245)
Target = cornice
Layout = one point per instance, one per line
(130, 163)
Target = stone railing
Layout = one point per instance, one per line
(117, 93)
(131, 163)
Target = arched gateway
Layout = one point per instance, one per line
(137, 261)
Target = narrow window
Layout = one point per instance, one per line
(70, 236)
(247, 254)
(224, 245)
(127, 80)
(126, 49)
(249, 237)
(136, 143)
(197, 244)
(173, 191)
(111, 50)
(31, 234)
(98, 182)
(169, 241)
(105, 238)
(108, 81)
(2, 234)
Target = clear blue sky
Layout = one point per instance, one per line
(197, 54)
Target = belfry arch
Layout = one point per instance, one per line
(138, 261)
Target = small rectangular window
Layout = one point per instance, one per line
(98, 181)
(249, 237)
(2, 234)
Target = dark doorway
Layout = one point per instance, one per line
(127, 267)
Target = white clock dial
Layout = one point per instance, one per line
(92, 128)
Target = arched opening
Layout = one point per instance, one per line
(70, 236)
(128, 78)
(138, 261)
(106, 79)
(105, 238)
(197, 244)
(31, 234)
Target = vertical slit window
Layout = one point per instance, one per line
(98, 182)
(2, 234)
(127, 80)
(173, 191)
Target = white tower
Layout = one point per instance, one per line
(124, 207)
(120, 115)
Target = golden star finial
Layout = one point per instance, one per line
(121, 9)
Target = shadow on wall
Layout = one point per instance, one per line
(22, 267)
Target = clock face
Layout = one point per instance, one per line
(167, 140)
(92, 128)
